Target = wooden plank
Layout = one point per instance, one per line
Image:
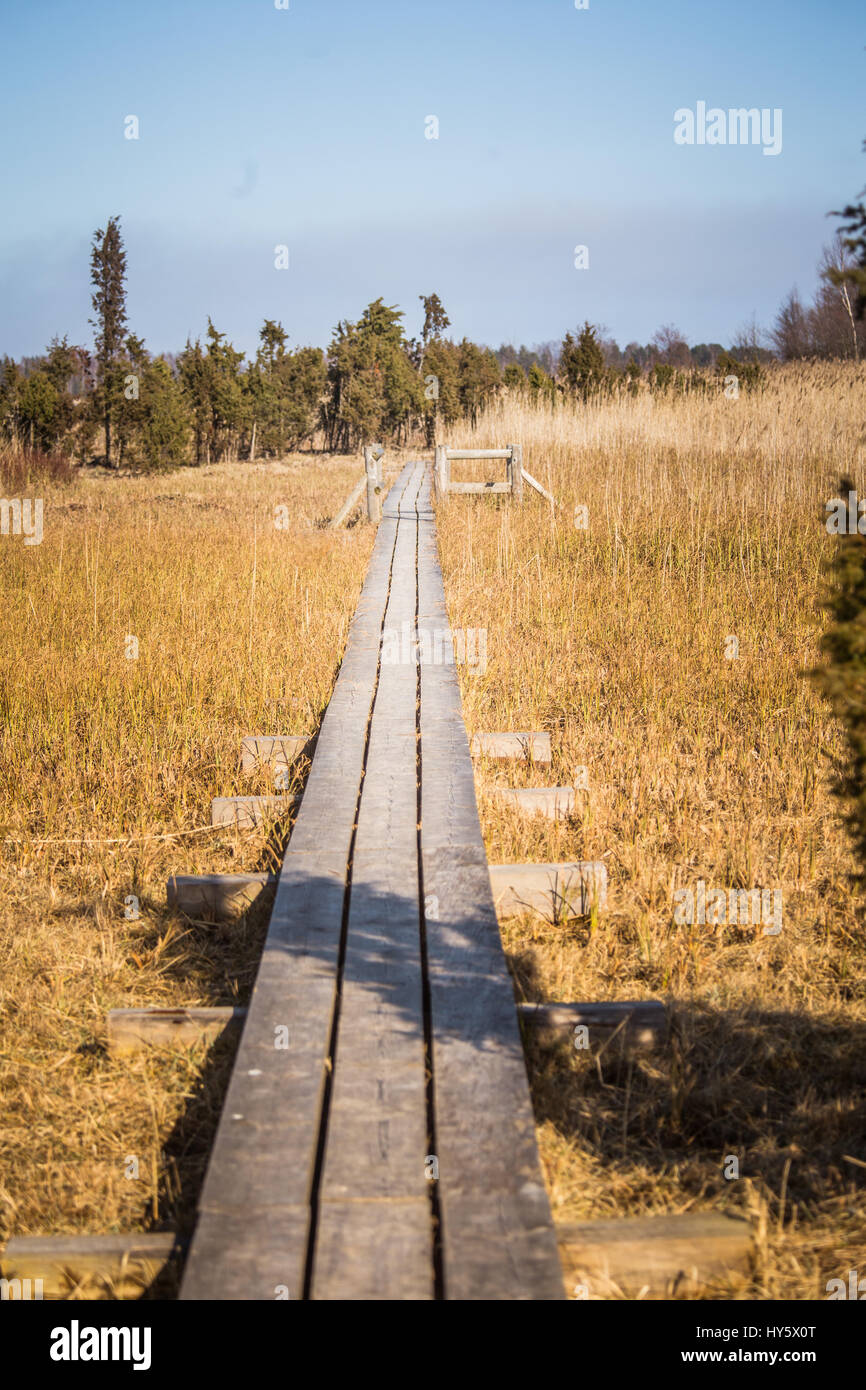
(350, 504)
(552, 802)
(217, 897)
(533, 482)
(247, 812)
(653, 1256)
(527, 745)
(370, 1250)
(277, 751)
(377, 1127)
(479, 487)
(641, 1023)
(478, 453)
(556, 891)
(263, 1165)
(497, 1236)
(132, 1029)
(88, 1266)
(262, 1241)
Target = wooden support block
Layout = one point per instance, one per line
(535, 746)
(553, 802)
(217, 897)
(640, 1023)
(557, 891)
(131, 1029)
(277, 751)
(52, 1267)
(246, 812)
(655, 1256)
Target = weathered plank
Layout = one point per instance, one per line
(527, 745)
(641, 1023)
(552, 802)
(89, 1266)
(273, 751)
(217, 897)
(373, 1251)
(132, 1029)
(478, 453)
(556, 891)
(247, 812)
(497, 1236)
(533, 482)
(654, 1256)
(377, 1126)
(350, 504)
(479, 487)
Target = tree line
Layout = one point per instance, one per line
(120, 404)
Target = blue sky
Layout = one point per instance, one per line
(306, 127)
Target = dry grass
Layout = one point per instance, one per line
(108, 768)
(705, 522)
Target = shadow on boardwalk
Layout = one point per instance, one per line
(384, 961)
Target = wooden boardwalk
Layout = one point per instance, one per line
(381, 1047)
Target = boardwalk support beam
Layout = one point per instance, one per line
(654, 1256)
(90, 1267)
(640, 1023)
(129, 1030)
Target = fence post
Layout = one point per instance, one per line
(515, 472)
(372, 457)
(439, 470)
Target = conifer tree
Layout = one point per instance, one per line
(107, 275)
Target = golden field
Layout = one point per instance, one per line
(704, 523)
(108, 767)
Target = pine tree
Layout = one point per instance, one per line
(854, 240)
(107, 274)
(435, 318)
(581, 363)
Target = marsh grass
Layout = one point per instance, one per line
(108, 768)
(705, 523)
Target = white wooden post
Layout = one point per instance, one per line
(371, 468)
(439, 470)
